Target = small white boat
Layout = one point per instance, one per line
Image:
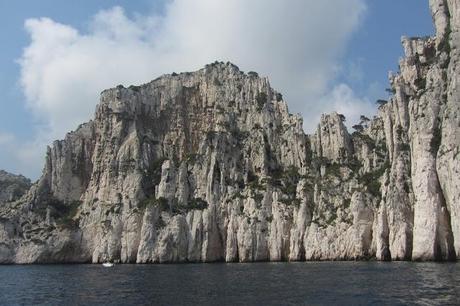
(107, 264)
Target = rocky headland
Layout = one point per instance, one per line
(210, 166)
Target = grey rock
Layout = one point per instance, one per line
(211, 166)
(12, 187)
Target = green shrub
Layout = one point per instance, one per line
(371, 179)
(358, 128)
(289, 190)
(285, 179)
(258, 197)
(292, 174)
(332, 217)
(217, 82)
(237, 195)
(252, 177)
(161, 223)
(240, 135)
(220, 109)
(364, 119)
(435, 142)
(255, 185)
(135, 88)
(290, 202)
(390, 90)
(161, 203)
(65, 214)
(367, 140)
(279, 97)
(354, 165)
(257, 126)
(261, 100)
(406, 187)
(154, 171)
(333, 169)
(420, 83)
(191, 158)
(193, 204)
(276, 173)
(404, 147)
(445, 45)
(381, 148)
(197, 203)
(308, 187)
(399, 132)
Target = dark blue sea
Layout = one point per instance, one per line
(313, 283)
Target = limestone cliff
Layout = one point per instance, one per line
(12, 187)
(211, 166)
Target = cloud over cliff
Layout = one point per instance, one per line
(297, 43)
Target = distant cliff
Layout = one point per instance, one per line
(12, 187)
(210, 166)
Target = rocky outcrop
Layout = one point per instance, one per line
(12, 187)
(211, 166)
(447, 157)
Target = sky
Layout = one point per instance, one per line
(57, 56)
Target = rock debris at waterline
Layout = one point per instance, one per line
(210, 166)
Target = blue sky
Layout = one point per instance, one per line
(360, 48)
(376, 44)
(13, 38)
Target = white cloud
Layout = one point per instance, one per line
(343, 100)
(297, 43)
(355, 70)
(5, 138)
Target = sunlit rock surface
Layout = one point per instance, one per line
(210, 166)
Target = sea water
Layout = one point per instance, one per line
(305, 283)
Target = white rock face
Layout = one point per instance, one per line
(210, 166)
(332, 140)
(447, 161)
